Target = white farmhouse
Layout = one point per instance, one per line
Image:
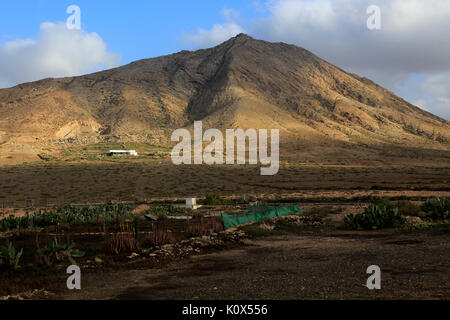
(122, 152)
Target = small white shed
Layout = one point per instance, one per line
(122, 152)
(191, 201)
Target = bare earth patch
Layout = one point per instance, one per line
(333, 266)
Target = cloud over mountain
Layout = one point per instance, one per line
(412, 39)
(57, 52)
(217, 34)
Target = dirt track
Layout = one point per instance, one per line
(414, 266)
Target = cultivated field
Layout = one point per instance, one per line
(319, 253)
(128, 180)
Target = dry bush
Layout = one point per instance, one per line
(122, 243)
(63, 227)
(159, 238)
(197, 230)
(197, 215)
(216, 225)
(204, 228)
(163, 217)
(408, 208)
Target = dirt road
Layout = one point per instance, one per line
(414, 266)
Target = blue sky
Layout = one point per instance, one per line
(408, 55)
(137, 28)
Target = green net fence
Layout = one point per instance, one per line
(258, 214)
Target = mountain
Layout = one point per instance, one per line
(241, 83)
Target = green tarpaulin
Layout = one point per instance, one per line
(258, 214)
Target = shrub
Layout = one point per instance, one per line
(436, 209)
(166, 210)
(59, 252)
(383, 202)
(9, 256)
(323, 211)
(374, 217)
(203, 228)
(137, 228)
(408, 208)
(68, 215)
(122, 242)
(216, 225)
(158, 238)
(163, 217)
(197, 230)
(197, 215)
(63, 227)
(216, 200)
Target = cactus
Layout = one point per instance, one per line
(436, 208)
(66, 214)
(374, 217)
(9, 256)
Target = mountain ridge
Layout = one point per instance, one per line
(242, 82)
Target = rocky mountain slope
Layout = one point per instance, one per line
(242, 83)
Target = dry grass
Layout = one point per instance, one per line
(122, 242)
(203, 228)
(57, 184)
(159, 237)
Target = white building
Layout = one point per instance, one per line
(122, 152)
(191, 202)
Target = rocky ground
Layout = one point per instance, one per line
(414, 265)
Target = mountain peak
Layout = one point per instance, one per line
(243, 36)
(240, 38)
(242, 82)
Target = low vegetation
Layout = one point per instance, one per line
(58, 252)
(122, 242)
(112, 234)
(67, 215)
(323, 211)
(375, 217)
(216, 200)
(386, 214)
(166, 210)
(9, 256)
(159, 237)
(408, 208)
(436, 209)
(203, 227)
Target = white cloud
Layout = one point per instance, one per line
(58, 52)
(434, 94)
(289, 15)
(439, 106)
(217, 34)
(438, 84)
(413, 39)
